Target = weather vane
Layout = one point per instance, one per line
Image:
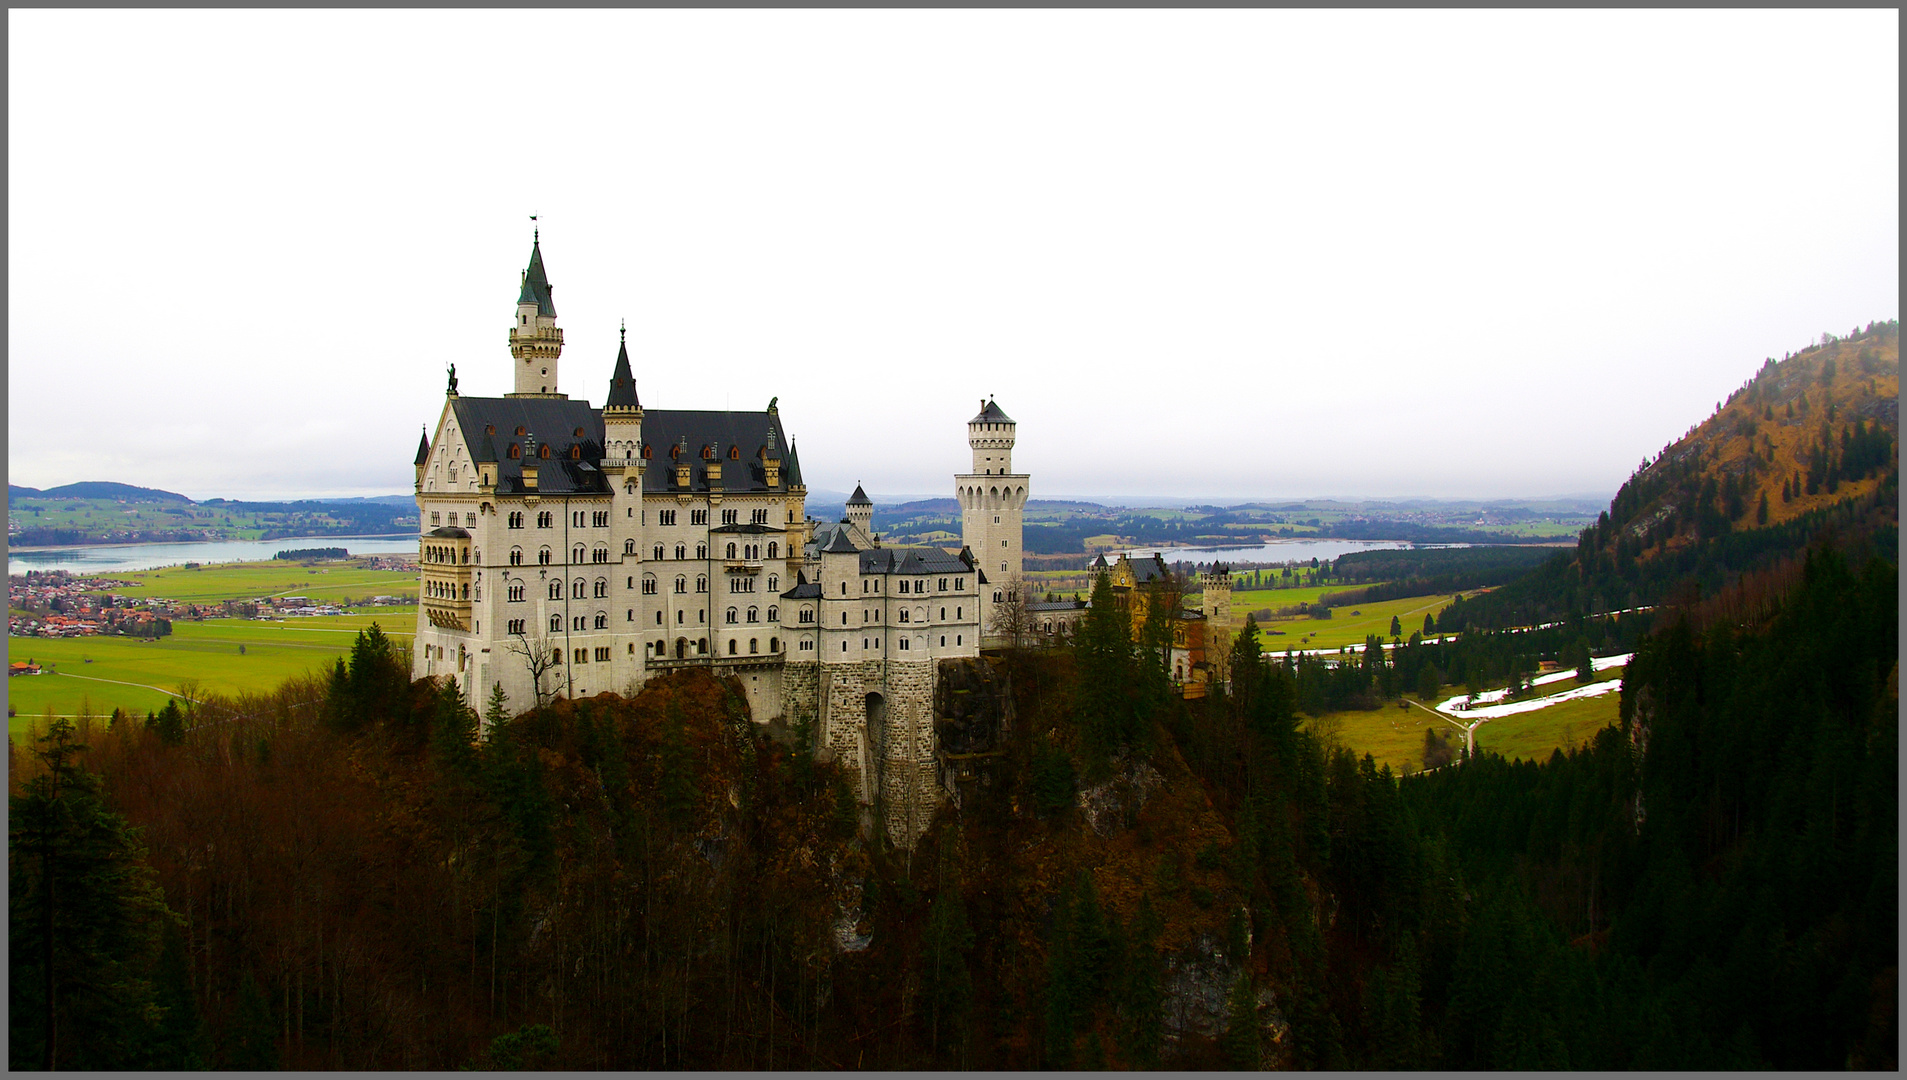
(536, 234)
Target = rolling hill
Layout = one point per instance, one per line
(1807, 448)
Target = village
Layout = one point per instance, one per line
(57, 604)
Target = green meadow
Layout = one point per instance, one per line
(1395, 737)
(100, 674)
(327, 582)
(1342, 628)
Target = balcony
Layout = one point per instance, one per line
(743, 566)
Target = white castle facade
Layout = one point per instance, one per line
(568, 551)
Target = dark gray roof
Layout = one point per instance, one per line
(791, 469)
(839, 543)
(912, 560)
(423, 448)
(486, 448)
(536, 284)
(622, 383)
(991, 414)
(448, 532)
(1149, 569)
(859, 498)
(553, 423)
(807, 590)
(747, 431)
(1099, 563)
(1041, 606)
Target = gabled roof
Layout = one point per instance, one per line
(840, 544)
(912, 560)
(807, 590)
(622, 383)
(696, 428)
(859, 498)
(486, 448)
(551, 422)
(536, 284)
(990, 414)
(423, 448)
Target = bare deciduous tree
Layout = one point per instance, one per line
(539, 655)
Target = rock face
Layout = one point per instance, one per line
(1111, 806)
(1198, 980)
(973, 708)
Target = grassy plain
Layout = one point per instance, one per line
(1342, 628)
(245, 580)
(133, 674)
(1395, 737)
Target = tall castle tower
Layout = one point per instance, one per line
(1216, 602)
(536, 341)
(992, 499)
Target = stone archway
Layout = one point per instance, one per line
(681, 648)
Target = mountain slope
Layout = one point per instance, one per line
(1810, 444)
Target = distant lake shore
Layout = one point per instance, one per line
(114, 558)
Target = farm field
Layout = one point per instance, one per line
(1344, 628)
(245, 580)
(1395, 737)
(133, 674)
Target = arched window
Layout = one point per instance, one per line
(701, 551)
(731, 550)
(599, 554)
(735, 454)
(516, 556)
(681, 584)
(701, 583)
(774, 583)
(579, 589)
(731, 646)
(753, 647)
(602, 586)
(556, 624)
(998, 596)
(774, 613)
(774, 645)
(543, 451)
(772, 549)
(602, 620)
(515, 451)
(754, 614)
(628, 547)
(682, 551)
(657, 556)
(556, 590)
(648, 585)
(732, 616)
(578, 553)
(647, 453)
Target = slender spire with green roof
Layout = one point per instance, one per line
(536, 282)
(622, 383)
(791, 469)
(423, 447)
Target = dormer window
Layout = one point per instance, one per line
(708, 452)
(515, 451)
(675, 452)
(543, 451)
(576, 453)
(648, 452)
(521, 430)
(734, 453)
(489, 429)
(579, 433)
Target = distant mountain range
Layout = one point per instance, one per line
(96, 489)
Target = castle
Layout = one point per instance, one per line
(569, 550)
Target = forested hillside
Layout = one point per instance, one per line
(1811, 443)
(341, 876)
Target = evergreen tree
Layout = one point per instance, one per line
(1104, 676)
(169, 725)
(85, 921)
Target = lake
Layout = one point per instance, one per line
(1275, 552)
(112, 558)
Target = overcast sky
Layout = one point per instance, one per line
(1219, 254)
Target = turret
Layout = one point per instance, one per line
(423, 457)
(622, 411)
(861, 517)
(1216, 602)
(991, 435)
(535, 340)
